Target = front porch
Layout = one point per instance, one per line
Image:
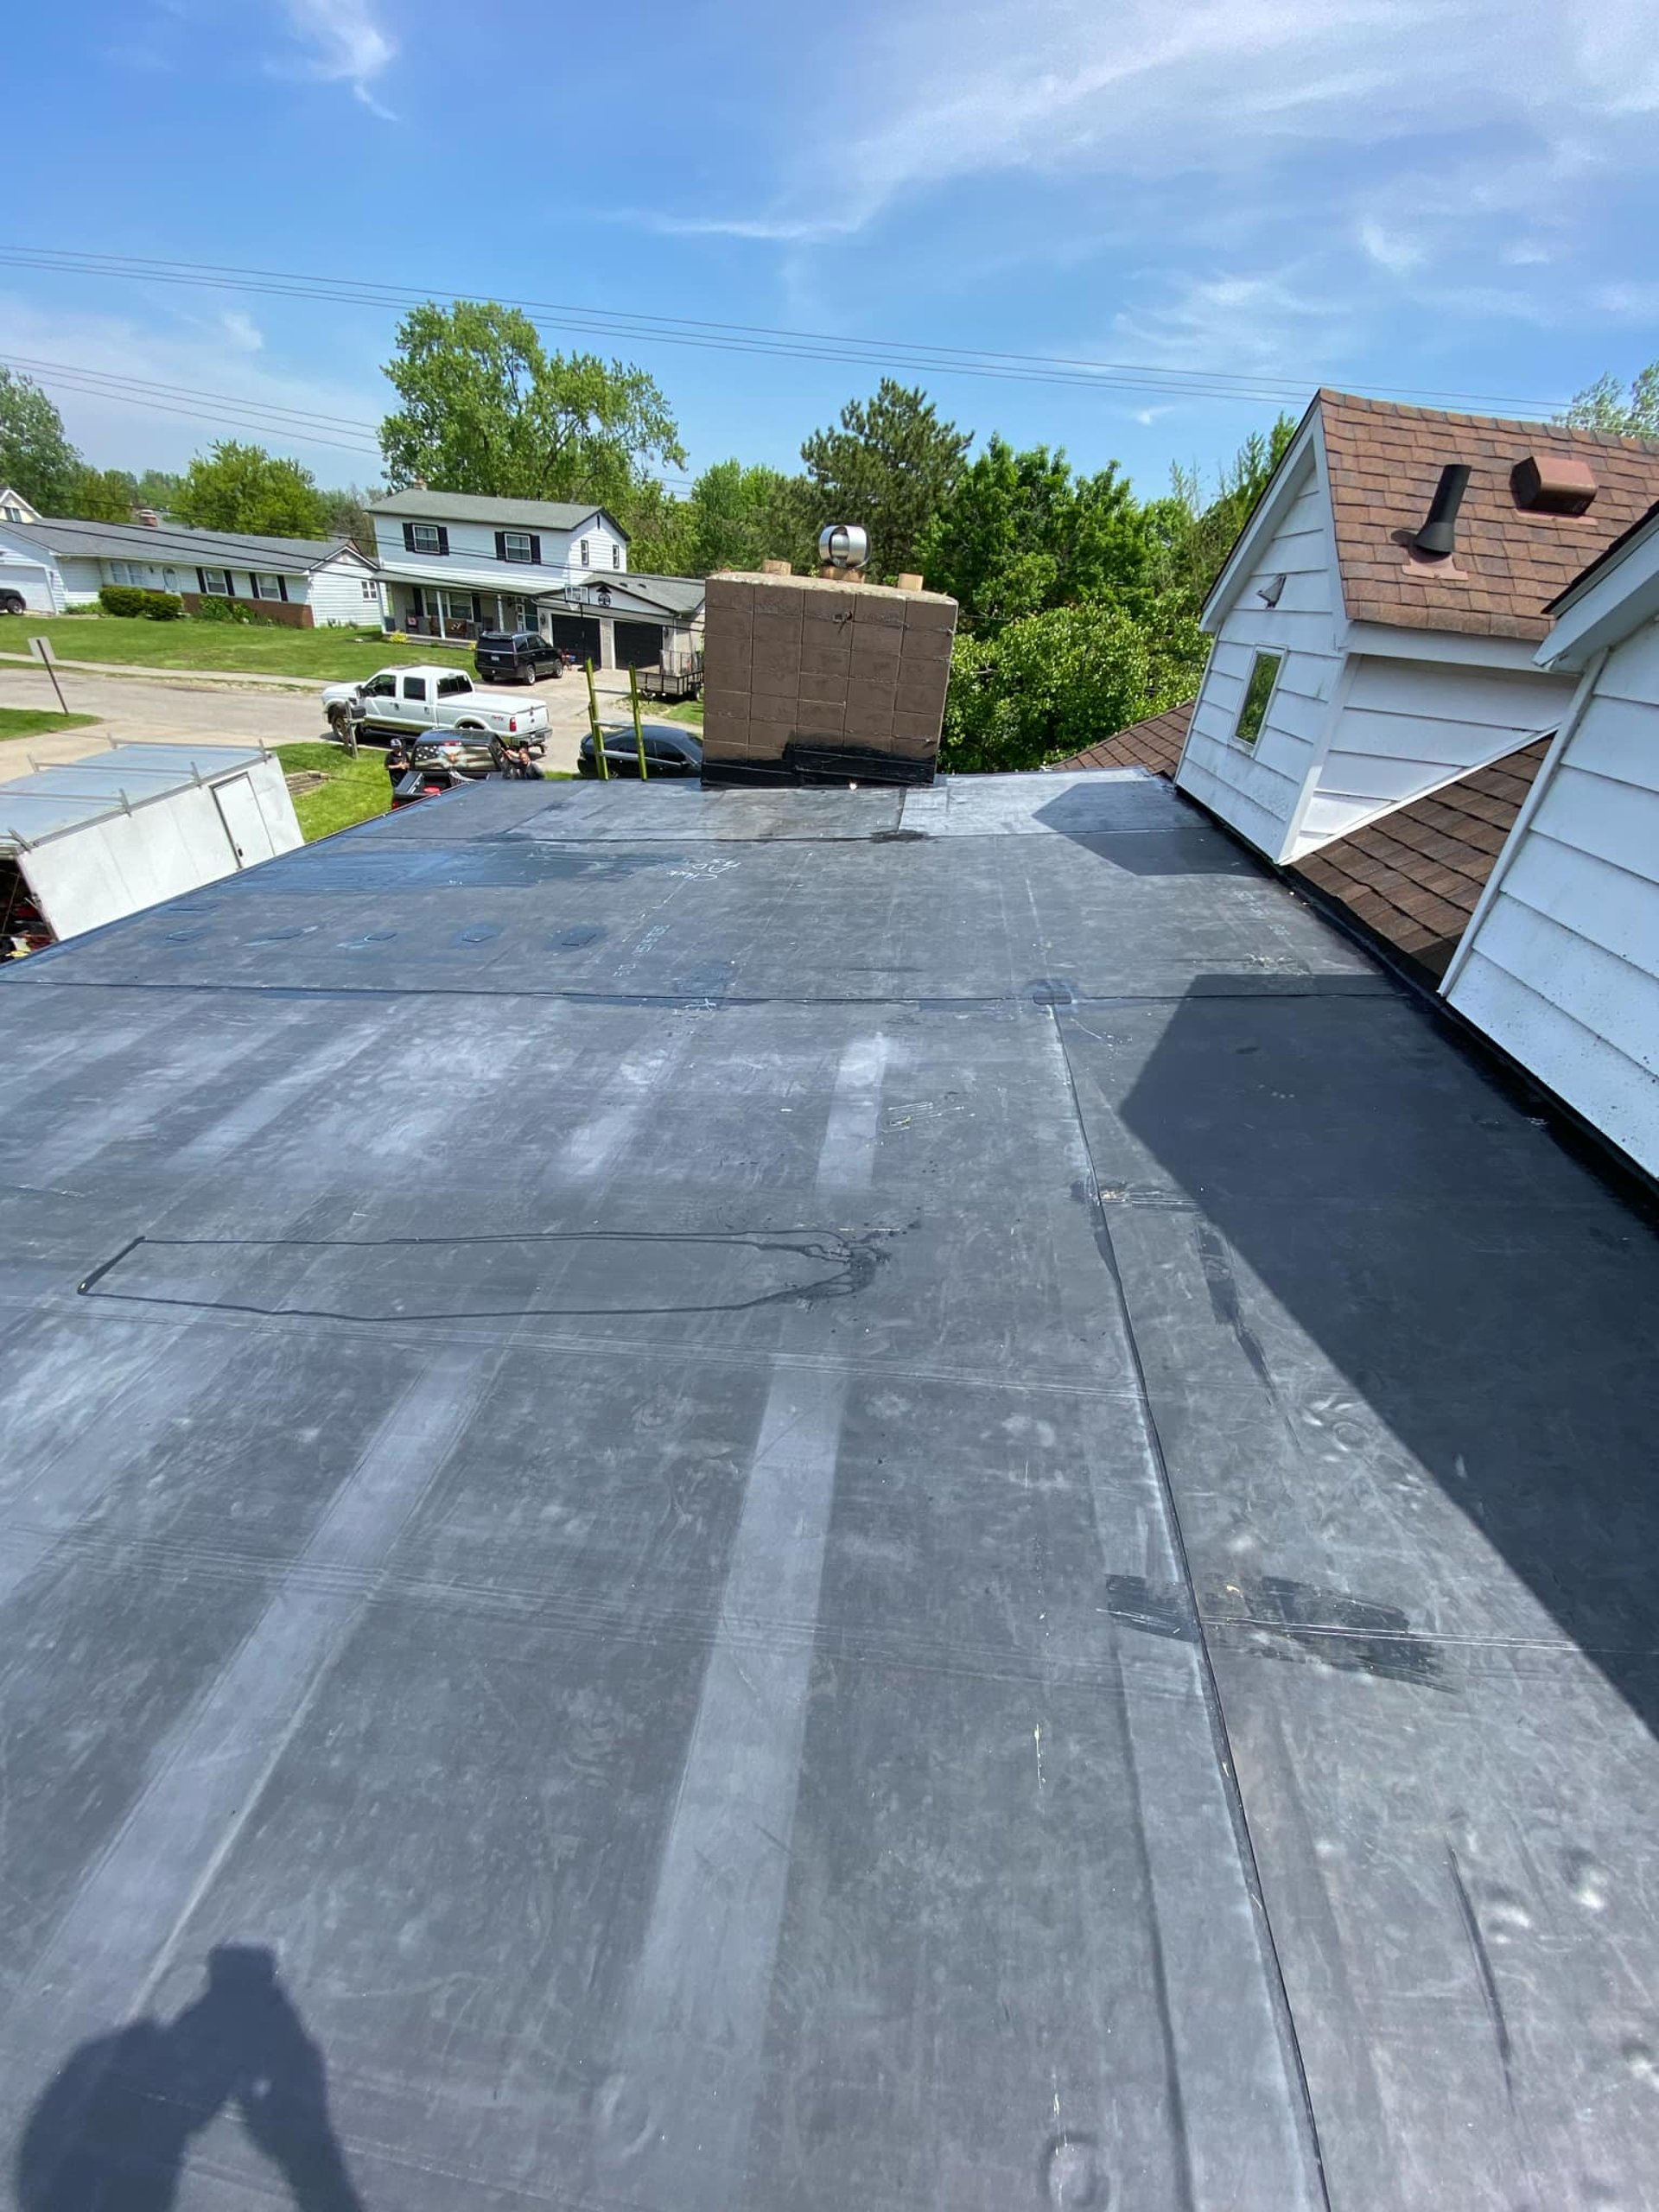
(430, 610)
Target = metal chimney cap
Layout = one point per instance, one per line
(843, 545)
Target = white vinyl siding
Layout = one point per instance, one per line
(1256, 789)
(1408, 727)
(1562, 970)
(341, 592)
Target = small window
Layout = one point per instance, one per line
(450, 687)
(1264, 673)
(14, 514)
(216, 582)
(268, 587)
(426, 538)
(414, 687)
(616, 556)
(368, 589)
(583, 553)
(515, 545)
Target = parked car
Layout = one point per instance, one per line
(13, 602)
(670, 750)
(507, 656)
(411, 700)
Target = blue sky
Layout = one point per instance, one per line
(1441, 195)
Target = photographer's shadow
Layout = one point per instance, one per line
(112, 2132)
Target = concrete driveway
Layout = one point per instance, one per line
(137, 711)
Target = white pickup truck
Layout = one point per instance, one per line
(412, 700)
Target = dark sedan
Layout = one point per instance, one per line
(670, 750)
(509, 656)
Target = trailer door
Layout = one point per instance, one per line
(239, 810)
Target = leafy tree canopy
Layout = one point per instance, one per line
(487, 409)
(103, 495)
(1607, 406)
(890, 465)
(1018, 533)
(35, 457)
(244, 488)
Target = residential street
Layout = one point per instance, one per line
(134, 710)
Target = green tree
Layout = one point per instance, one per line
(349, 517)
(103, 495)
(35, 457)
(741, 517)
(158, 488)
(1197, 534)
(1050, 684)
(890, 465)
(243, 488)
(1606, 406)
(486, 409)
(1019, 533)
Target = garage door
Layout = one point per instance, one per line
(576, 634)
(639, 644)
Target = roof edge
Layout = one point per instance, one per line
(1270, 503)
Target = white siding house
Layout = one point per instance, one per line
(1560, 965)
(455, 564)
(1352, 674)
(299, 582)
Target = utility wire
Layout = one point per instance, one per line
(758, 340)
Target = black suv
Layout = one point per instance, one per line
(501, 655)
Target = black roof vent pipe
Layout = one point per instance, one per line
(1439, 534)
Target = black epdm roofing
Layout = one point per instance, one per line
(810, 1502)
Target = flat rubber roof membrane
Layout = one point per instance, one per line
(852, 1502)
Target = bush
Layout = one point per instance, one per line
(229, 610)
(122, 598)
(162, 605)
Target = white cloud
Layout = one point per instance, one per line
(347, 45)
(118, 427)
(1391, 250)
(244, 333)
(1244, 93)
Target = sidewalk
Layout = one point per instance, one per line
(143, 669)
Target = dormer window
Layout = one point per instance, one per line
(516, 545)
(425, 537)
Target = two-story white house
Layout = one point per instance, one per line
(454, 564)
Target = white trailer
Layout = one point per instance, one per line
(96, 839)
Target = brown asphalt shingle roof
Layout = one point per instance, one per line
(1384, 462)
(1155, 743)
(1413, 878)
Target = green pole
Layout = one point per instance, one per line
(600, 761)
(638, 735)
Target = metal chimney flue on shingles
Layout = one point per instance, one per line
(1439, 535)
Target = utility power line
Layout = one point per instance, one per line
(760, 341)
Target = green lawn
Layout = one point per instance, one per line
(357, 789)
(688, 710)
(240, 647)
(30, 721)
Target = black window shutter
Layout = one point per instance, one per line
(477, 609)
(535, 552)
(408, 538)
(443, 539)
(417, 599)
(282, 588)
(201, 583)
(500, 544)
